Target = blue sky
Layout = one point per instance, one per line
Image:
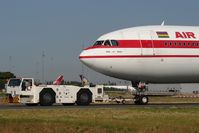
(62, 28)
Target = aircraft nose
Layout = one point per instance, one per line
(84, 58)
(81, 56)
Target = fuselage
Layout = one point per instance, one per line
(152, 54)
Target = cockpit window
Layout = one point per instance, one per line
(107, 43)
(114, 43)
(98, 43)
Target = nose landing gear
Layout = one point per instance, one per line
(139, 97)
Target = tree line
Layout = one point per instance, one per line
(4, 76)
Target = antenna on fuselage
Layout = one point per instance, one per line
(162, 23)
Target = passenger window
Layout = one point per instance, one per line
(165, 43)
(107, 43)
(114, 43)
(184, 44)
(170, 43)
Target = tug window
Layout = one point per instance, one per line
(98, 43)
(114, 43)
(107, 43)
(26, 83)
(99, 90)
(14, 82)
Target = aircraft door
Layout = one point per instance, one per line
(146, 42)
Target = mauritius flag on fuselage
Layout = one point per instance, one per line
(162, 34)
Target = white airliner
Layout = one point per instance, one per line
(148, 54)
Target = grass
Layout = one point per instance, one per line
(157, 99)
(100, 120)
(170, 99)
(104, 120)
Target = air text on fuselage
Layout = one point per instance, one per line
(185, 35)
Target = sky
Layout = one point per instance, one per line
(61, 29)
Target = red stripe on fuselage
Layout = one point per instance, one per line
(140, 56)
(152, 44)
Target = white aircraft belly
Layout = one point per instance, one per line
(150, 69)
